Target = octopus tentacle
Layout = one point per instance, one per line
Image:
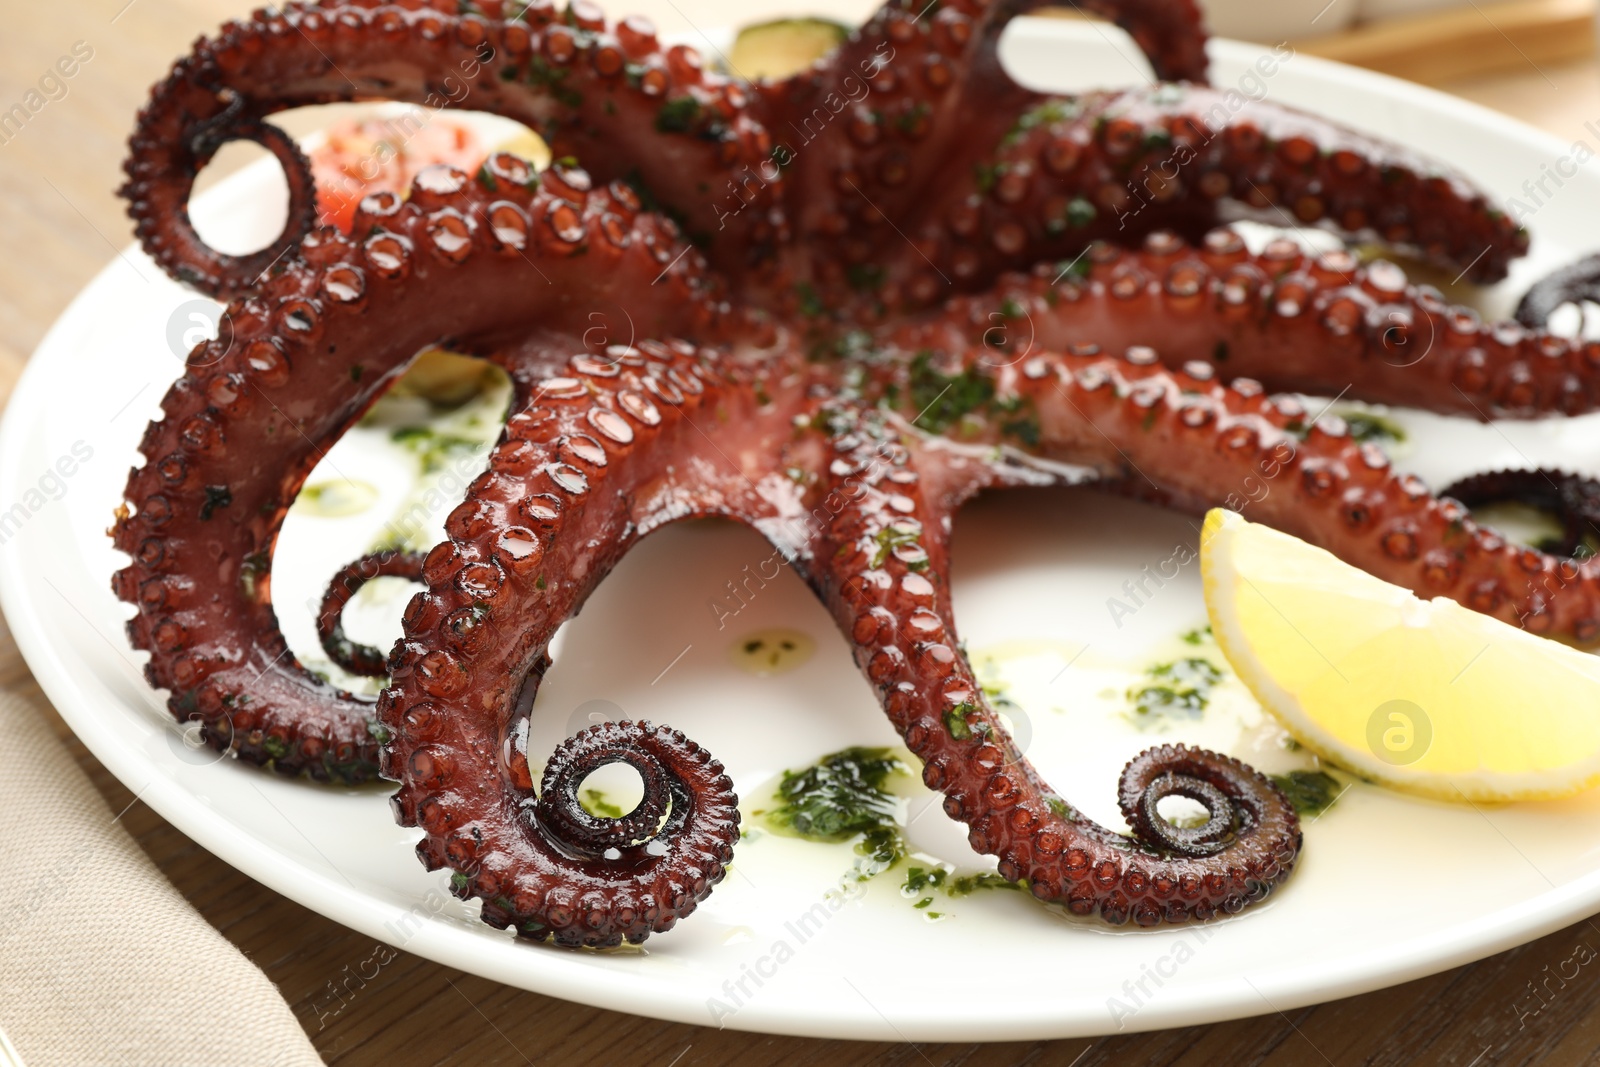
(863, 134)
(1183, 439)
(853, 469)
(904, 639)
(578, 479)
(353, 657)
(255, 411)
(1117, 166)
(630, 107)
(1577, 283)
(1574, 499)
(1296, 321)
(1171, 33)
(874, 129)
(1169, 771)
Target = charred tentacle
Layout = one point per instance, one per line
(631, 108)
(357, 658)
(1577, 284)
(254, 413)
(1573, 499)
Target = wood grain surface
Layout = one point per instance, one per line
(1466, 40)
(60, 224)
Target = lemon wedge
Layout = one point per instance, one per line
(1423, 695)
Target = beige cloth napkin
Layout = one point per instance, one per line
(102, 961)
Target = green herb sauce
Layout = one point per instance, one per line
(942, 399)
(842, 797)
(595, 803)
(1367, 427)
(678, 115)
(1311, 792)
(1173, 691)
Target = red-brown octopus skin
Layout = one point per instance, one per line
(1295, 321)
(309, 351)
(603, 453)
(1121, 418)
(580, 476)
(608, 445)
(895, 487)
(1119, 166)
(588, 88)
(547, 522)
(918, 111)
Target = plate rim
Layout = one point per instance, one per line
(560, 975)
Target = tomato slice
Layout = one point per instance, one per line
(361, 156)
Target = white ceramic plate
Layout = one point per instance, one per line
(1391, 888)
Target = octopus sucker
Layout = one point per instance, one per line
(245, 424)
(1294, 320)
(1120, 166)
(353, 657)
(958, 286)
(600, 94)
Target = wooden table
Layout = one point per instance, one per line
(62, 223)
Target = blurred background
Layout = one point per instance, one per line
(59, 215)
(1533, 59)
(61, 223)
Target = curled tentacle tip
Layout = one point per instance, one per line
(565, 818)
(1237, 799)
(357, 658)
(1153, 828)
(1577, 283)
(1573, 499)
(680, 780)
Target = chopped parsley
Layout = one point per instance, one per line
(1311, 792)
(678, 115)
(1177, 690)
(942, 399)
(843, 797)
